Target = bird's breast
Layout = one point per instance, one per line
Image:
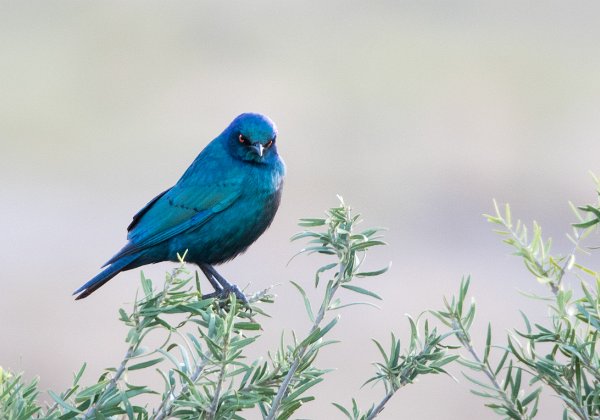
(232, 230)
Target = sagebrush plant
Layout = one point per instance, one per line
(560, 357)
(201, 359)
(201, 356)
(562, 354)
(17, 399)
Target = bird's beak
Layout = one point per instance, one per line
(259, 149)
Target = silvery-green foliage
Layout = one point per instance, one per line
(202, 361)
(201, 356)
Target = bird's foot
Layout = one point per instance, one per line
(224, 292)
(222, 287)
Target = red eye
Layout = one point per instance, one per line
(269, 144)
(243, 139)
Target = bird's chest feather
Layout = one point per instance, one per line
(235, 228)
(258, 202)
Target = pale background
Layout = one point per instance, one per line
(418, 113)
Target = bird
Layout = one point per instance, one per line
(222, 203)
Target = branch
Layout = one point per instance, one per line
(294, 367)
(166, 405)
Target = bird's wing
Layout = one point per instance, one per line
(175, 211)
(139, 214)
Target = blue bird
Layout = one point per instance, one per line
(223, 202)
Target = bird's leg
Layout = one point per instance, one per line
(222, 287)
(213, 282)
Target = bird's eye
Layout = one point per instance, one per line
(243, 140)
(268, 144)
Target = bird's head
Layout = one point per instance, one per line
(251, 137)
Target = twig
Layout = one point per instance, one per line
(466, 343)
(90, 413)
(167, 403)
(377, 410)
(130, 351)
(294, 367)
(214, 405)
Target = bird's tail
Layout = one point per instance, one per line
(103, 277)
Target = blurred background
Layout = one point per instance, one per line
(418, 113)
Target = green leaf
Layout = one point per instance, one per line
(361, 291)
(374, 273)
(146, 285)
(303, 388)
(63, 403)
(123, 315)
(381, 350)
(591, 209)
(145, 364)
(92, 390)
(250, 326)
(321, 270)
(587, 224)
(311, 222)
(343, 410)
(318, 333)
(488, 344)
(367, 244)
(306, 301)
(532, 396)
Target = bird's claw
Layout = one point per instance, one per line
(222, 287)
(225, 292)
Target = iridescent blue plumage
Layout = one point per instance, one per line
(223, 202)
